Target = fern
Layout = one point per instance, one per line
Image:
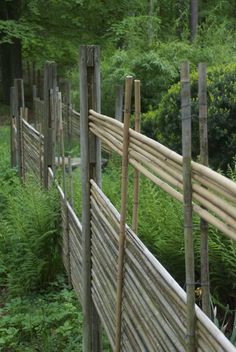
(29, 234)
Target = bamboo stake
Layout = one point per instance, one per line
(119, 103)
(12, 106)
(20, 102)
(50, 84)
(124, 190)
(71, 182)
(40, 155)
(188, 224)
(22, 116)
(136, 172)
(205, 281)
(62, 158)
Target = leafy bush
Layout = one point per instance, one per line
(49, 321)
(165, 122)
(29, 239)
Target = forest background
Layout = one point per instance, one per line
(145, 38)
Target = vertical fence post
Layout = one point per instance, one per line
(137, 114)
(119, 103)
(19, 103)
(50, 83)
(12, 137)
(90, 169)
(71, 182)
(68, 111)
(187, 190)
(124, 190)
(34, 97)
(202, 94)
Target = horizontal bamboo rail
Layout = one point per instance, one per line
(163, 167)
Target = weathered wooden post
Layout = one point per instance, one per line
(203, 137)
(19, 103)
(187, 193)
(12, 137)
(90, 169)
(119, 103)
(50, 83)
(71, 182)
(34, 97)
(68, 111)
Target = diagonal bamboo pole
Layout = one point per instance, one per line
(202, 94)
(187, 195)
(124, 190)
(137, 100)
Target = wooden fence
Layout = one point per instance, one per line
(154, 308)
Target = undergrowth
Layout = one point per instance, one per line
(29, 239)
(48, 321)
(38, 312)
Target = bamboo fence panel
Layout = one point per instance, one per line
(32, 145)
(75, 238)
(154, 305)
(71, 243)
(74, 121)
(104, 259)
(213, 194)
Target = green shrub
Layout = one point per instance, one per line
(29, 239)
(166, 121)
(49, 321)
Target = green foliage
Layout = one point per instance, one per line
(29, 238)
(146, 66)
(49, 321)
(165, 122)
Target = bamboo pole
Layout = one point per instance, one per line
(12, 136)
(119, 103)
(62, 145)
(23, 116)
(202, 94)
(136, 172)
(50, 83)
(124, 190)
(20, 103)
(68, 111)
(65, 204)
(187, 193)
(71, 182)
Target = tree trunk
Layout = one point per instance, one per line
(11, 66)
(193, 19)
(5, 51)
(180, 10)
(10, 53)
